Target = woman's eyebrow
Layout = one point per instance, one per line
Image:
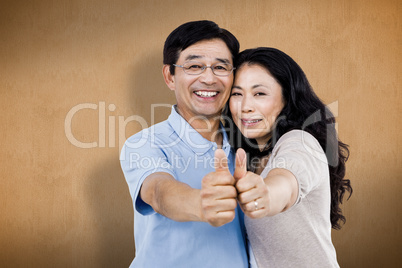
(253, 87)
(258, 85)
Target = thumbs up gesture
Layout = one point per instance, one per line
(241, 164)
(218, 193)
(252, 190)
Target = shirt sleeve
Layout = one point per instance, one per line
(300, 153)
(139, 158)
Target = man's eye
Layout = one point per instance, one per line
(221, 67)
(194, 67)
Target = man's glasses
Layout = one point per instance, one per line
(195, 68)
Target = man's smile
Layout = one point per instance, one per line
(206, 94)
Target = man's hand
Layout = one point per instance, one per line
(218, 194)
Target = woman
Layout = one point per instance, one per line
(295, 183)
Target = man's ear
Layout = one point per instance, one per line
(169, 78)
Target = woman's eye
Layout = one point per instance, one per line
(260, 94)
(236, 94)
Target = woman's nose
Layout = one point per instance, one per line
(247, 105)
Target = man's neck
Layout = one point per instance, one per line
(208, 127)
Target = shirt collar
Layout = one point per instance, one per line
(192, 137)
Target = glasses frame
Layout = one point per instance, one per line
(205, 67)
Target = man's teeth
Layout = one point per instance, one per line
(206, 93)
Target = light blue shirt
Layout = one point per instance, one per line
(174, 147)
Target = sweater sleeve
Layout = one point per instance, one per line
(300, 153)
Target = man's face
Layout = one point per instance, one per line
(202, 95)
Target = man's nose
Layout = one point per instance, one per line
(207, 76)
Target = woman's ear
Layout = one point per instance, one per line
(169, 78)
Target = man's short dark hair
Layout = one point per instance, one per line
(192, 32)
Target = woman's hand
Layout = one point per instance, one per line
(253, 195)
(259, 197)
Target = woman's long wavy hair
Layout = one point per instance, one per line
(303, 110)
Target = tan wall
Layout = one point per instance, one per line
(65, 206)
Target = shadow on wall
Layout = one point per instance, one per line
(107, 190)
(112, 212)
(150, 97)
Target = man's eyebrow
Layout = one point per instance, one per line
(223, 60)
(192, 57)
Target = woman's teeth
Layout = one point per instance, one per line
(251, 121)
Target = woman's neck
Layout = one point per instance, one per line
(261, 164)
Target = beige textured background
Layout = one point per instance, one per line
(65, 206)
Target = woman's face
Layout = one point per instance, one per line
(255, 102)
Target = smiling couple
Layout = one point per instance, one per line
(246, 210)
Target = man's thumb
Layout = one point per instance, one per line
(241, 164)
(221, 161)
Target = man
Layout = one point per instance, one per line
(179, 171)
